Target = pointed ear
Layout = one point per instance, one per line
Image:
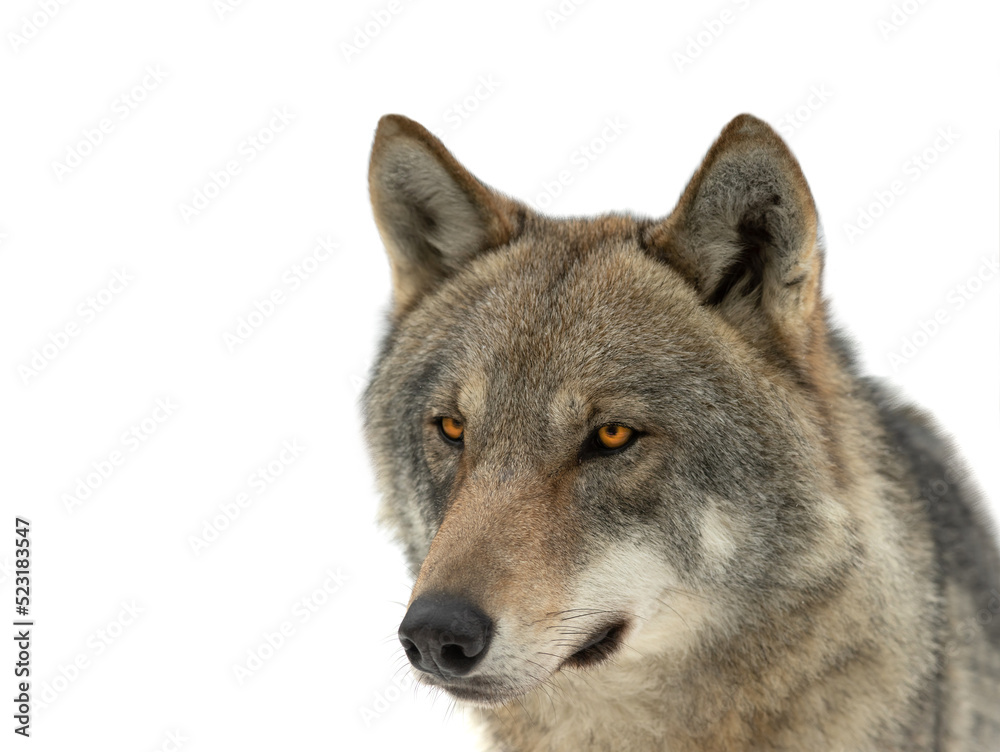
(744, 234)
(433, 215)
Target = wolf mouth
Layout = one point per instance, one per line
(477, 691)
(602, 645)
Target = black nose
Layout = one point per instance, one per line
(444, 635)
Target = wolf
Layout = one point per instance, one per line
(649, 498)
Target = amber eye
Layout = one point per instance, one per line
(612, 436)
(452, 428)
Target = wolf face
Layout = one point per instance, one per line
(650, 499)
(603, 439)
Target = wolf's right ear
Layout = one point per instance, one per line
(432, 213)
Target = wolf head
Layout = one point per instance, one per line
(600, 439)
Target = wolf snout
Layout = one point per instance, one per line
(445, 635)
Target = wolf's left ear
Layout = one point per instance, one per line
(432, 213)
(744, 234)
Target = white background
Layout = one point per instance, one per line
(885, 93)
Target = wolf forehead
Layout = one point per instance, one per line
(573, 293)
